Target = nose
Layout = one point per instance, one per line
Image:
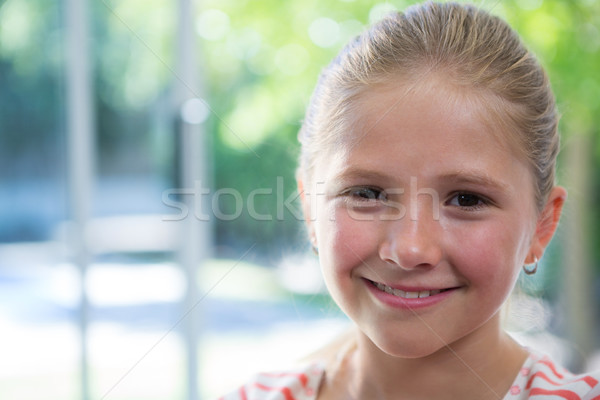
(411, 242)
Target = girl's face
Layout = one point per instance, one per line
(423, 219)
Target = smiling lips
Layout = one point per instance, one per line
(407, 294)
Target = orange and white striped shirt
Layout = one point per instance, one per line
(538, 379)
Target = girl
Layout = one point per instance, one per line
(427, 172)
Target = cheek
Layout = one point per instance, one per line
(344, 242)
(490, 260)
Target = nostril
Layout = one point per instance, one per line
(386, 254)
(411, 245)
(389, 261)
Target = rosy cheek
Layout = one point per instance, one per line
(485, 254)
(347, 241)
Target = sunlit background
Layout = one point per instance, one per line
(151, 243)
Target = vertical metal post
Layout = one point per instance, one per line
(576, 290)
(81, 153)
(195, 233)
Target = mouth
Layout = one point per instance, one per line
(404, 294)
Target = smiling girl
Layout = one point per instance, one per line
(427, 175)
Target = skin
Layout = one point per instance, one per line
(425, 193)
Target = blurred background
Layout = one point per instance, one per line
(151, 242)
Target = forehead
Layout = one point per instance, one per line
(424, 127)
(441, 105)
(447, 104)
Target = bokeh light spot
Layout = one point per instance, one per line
(213, 25)
(194, 111)
(324, 32)
(378, 11)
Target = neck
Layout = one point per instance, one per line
(481, 365)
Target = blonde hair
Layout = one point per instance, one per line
(475, 49)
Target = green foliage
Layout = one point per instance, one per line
(29, 113)
(566, 37)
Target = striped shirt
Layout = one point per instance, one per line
(538, 379)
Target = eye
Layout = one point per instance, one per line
(468, 201)
(365, 193)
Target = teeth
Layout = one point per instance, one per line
(406, 295)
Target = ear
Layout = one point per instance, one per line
(306, 209)
(547, 223)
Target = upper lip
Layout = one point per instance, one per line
(416, 288)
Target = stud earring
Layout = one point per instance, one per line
(315, 249)
(531, 271)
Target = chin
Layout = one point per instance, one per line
(410, 347)
(410, 351)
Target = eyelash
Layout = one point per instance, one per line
(481, 201)
(365, 194)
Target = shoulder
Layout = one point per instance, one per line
(541, 378)
(301, 383)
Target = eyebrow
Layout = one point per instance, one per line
(475, 178)
(354, 173)
(468, 177)
(458, 177)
